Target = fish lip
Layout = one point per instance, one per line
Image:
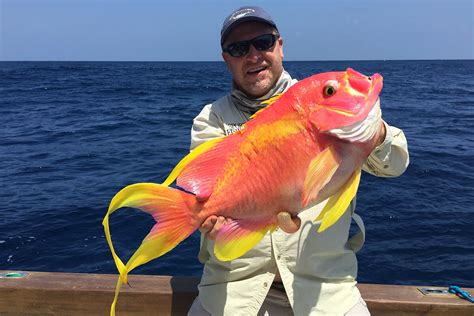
(376, 79)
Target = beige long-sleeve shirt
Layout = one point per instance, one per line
(318, 270)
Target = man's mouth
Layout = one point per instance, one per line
(256, 70)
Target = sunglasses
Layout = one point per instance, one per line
(261, 43)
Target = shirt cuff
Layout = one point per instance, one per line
(382, 151)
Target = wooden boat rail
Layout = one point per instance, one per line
(46, 293)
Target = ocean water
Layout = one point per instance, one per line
(74, 133)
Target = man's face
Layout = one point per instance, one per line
(258, 71)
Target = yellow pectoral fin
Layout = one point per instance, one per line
(320, 171)
(338, 203)
(239, 236)
(190, 157)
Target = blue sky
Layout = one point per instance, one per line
(184, 30)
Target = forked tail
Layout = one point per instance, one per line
(174, 212)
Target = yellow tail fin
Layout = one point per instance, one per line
(174, 212)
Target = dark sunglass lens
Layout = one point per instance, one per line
(261, 43)
(238, 49)
(264, 42)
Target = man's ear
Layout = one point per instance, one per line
(280, 41)
(226, 58)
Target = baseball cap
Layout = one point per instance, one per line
(244, 14)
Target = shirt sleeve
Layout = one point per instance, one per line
(206, 126)
(391, 158)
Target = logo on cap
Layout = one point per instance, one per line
(241, 13)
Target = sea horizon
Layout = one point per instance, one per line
(221, 61)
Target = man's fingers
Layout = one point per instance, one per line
(287, 223)
(208, 224)
(382, 134)
(213, 224)
(217, 226)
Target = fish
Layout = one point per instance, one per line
(304, 147)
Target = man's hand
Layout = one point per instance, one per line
(213, 224)
(287, 223)
(382, 134)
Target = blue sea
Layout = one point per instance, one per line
(72, 134)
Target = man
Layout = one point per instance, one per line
(302, 273)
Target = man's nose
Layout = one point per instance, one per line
(253, 54)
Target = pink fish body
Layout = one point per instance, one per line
(289, 156)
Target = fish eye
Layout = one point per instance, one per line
(329, 90)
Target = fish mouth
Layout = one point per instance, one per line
(360, 84)
(359, 131)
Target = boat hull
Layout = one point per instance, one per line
(46, 293)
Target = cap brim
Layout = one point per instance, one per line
(231, 27)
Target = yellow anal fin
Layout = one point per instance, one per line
(319, 173)
(190, 157)
(237, 237)
(338, 203)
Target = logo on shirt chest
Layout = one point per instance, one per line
(231, 128)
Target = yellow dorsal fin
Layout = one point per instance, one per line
(272, 99)
(338, 203)
(267, 102)
(199, 150)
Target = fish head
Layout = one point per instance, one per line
(339, 99)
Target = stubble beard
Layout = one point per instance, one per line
(259, 87)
